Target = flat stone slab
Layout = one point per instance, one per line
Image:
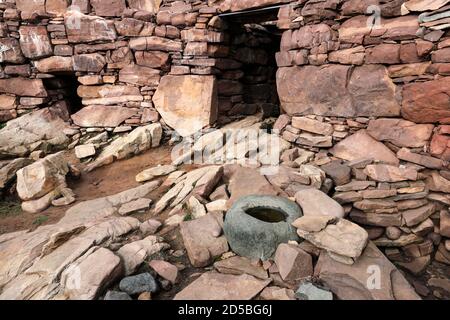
(216, 286)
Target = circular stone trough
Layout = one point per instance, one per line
(256, 225)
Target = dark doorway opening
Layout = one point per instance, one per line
(254, 41)
(62, 92)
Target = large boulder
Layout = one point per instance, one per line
(92, 273)
(337, 90)
(41, 177)
(8, 170)
(187, 103)
(39, 130)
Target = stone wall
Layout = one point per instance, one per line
(137, 61)
(119, 51)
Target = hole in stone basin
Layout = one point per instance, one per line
(267, 214)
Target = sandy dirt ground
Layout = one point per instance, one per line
(102, 182)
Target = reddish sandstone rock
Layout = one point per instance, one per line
(241, 265)
(83, 28)
(362, 146)
(145, 5)
(350, 282)
(111, 8)
(14, 52)
(387, 173)
(56, 7)
(203, 240)
(231, 5)
(400, 28)
(93, 62)
(7, 102)
(411, 69)
(440, 144)
(187, 103)
(422, 160)
(247, 181)
(216, 286)
(427, 102)
(408, 53)
(293, 263)
(438, 183)
(306, 37)
(425, 5)
(385, 53)
(334, 90)
(423, 47)
(141, 76)
(354, 56)
(102, 116)
(132, 27)
(444, 226)
(352, 7)
(54, 64)
(400, 132)
(29, 9)
(23, 87)
(152, 59)
(35, 42)
(442, 55)
(155, 43)
(354, 30)
(165, 269)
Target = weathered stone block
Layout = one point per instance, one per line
(187, 103)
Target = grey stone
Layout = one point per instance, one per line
(308, 291)
(255, 238)
(143, 282)
(116, 296)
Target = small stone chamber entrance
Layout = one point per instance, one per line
(248, 85)
(62, 93)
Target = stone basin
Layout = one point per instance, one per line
(256, 225)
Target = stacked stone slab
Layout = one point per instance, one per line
(378, 171)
